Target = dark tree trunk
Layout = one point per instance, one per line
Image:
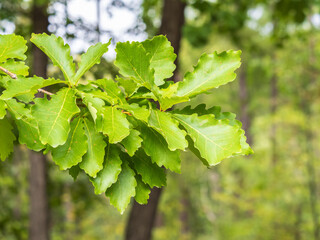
(39, 214)
(39, 211)
(244, 104)
(142, 218)
(171, 26)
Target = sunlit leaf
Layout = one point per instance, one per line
(12, 46)
(93, 160)
(115, 124)
(121, 192)
(168, 128)
(215, 139)
(132, 142)
(70, 153)
(162, 58)
(110, 172)
(54, 116)
(57, 51)
(212, 71)
(6, 140)
(90, 58)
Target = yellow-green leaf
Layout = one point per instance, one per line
(115, 124)
(93, 160)
(57, 51)
(54, 116)
(70, 153)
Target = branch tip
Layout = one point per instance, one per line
(6, 71)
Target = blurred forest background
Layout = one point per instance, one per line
(273, 194)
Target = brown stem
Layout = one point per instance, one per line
(12, 75)
(44, 91)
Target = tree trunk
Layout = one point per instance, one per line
(142, 218)
(39, 216)
(171, 26)
(244, 101)
(39, 211)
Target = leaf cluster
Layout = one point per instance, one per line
(120, 132)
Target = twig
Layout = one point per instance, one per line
(12, 75)
(44, 91)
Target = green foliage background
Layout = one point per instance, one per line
(242, 198)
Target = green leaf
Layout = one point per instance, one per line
(142, 191)
(18, 68)
(151, 173)
(6, 140)
(162, 58)
(129, 85)
(121, 192)
(112, 89)
(145, 93)
(97, 93)
(3, 107)
(212, 71)
(110, 172)
(18, 109)
(90, 58)
(29, 133)
(70, 153)
(12, 46)
(245, 148)
(132, 60)
(95, 106)
(169, 129)
(195, 151)
(93, 160)
(139, 112)
(216, 110)
(23, 85)
(215, 139)
(199, 109)
(115, 124)
(132, 142)
(168, 97)
(74, 172)
(57, 51)
(54, 116)
(156, 147)
(27, 125)
(3, 80)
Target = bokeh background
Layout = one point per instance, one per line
(273, 194)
